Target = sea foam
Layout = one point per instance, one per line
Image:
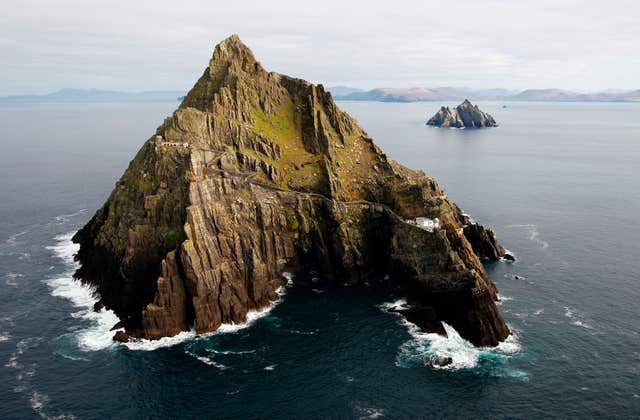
(426, 349)
(252, 317)
(98, 335)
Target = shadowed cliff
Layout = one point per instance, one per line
(257, 173)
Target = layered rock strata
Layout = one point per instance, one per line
(257, 173)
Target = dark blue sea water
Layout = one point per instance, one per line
(560, 183)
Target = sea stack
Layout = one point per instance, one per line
(465, 115)
(257, 173)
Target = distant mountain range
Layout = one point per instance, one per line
(458, 94)
(352, 94)
(95, 95)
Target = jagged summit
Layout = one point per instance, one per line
(257, 173)
(233, 49)
(465, 115)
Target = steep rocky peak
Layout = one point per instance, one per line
(232, 70)
(464, 115)
(233, 51)
(258, 173)
(466, 105)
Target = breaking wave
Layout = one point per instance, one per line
(252, 317)
(98, 335)
(430, 349)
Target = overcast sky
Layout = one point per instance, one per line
(585, 45)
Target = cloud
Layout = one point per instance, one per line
(142, 45)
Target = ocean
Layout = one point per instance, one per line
(559, 183)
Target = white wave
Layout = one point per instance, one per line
(393, 305)
(428, 348)
(230, 351)
(507, 252)
(469, 218)
(289, 277)
(533, 234)
(207, 360)
(582, 324)
(252, 316)
(317, 291)
(150, 345)
(539, 311)
(4, 336)
(577, 319)
(369, 412)
(63, 218)
(65, 249)
(270, 367)
(98, 335)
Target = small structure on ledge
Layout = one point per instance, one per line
(425, 223)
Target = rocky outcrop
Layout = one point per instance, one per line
(257, 173)
(464, 115)
(484, 242)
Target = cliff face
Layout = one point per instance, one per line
(464, 115)
(257, 173)
(484, 242)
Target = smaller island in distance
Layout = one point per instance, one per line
(465, 115)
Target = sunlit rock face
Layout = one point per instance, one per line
(257, 173)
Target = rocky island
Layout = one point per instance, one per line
(257, 173)
(464, 115)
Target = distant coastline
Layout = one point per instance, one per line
(343, 93)
(96, 95)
